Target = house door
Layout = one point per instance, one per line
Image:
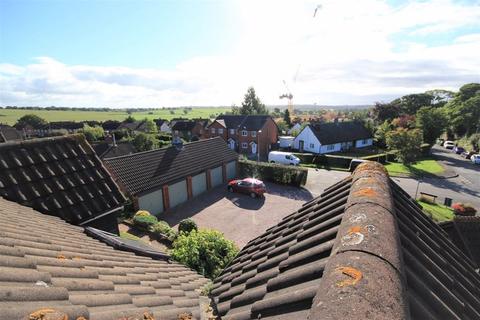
(231, 144)
(300, 145)
(254, 148)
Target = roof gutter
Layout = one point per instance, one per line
(100, 216)
(364, 277)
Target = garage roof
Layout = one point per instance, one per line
(363, 249)
(149, 170)
(48, 264)
(61, 176)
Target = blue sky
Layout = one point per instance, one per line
(173, 53)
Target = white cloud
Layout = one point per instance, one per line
(345, 55)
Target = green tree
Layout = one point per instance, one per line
(432, 121)
(150, 126)
(206, 251)
(386, 111)
(145, 142)
(464, 110)
(286, 117)
(32, 120)
(410, 103)
(130, 119)
(93, 133)
(251, 104)
(282, 126)
(475, 141)
(381, 133)
(406, 142)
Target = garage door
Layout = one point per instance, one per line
(177, 193)
(152, 202)
(199, 184)
(231, 170)
(216, 176)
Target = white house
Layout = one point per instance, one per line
(332, 137)
(296, 128)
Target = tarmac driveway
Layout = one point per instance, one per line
(238, 216)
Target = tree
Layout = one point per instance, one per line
(93, 133)
(32, 120)
(251, 104)
(150, 126)
(464, 110)
(206, 251)
(130, 119)
(282, 126)
(432, 121)
(145, 142)
(410, 103)
(381, 133)
(440, 97)
(404, 121)
(475, 141)
(386, 111)
(406, 142)
(286, 117)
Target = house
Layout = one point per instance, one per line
(8, 133)
(465, 233)
(160, 179)
(53, 270)
(68, 126)
(133, 127)
(113, 149)
(252, 135)
(363, 249)
(332, 137)
(296, 128)
(163, 125)
(189, 129)
(63, 177)
(285, 142)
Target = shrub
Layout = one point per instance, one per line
(426, 199)
(187, 225)
(206, 251)
(142, 213)
(462, 209)
(145, 222)
(274, 172)
(162, 228)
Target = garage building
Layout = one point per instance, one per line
(164, 178)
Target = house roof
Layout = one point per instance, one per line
(8, 133)
(335, 132)
(68, 125)
(61, 176)
(160, 122)
(49, 266)
(148, 170)
(363, 249)
(130, 125)
(184, 125)
(465, 233)
(107, 150)
(250, 122)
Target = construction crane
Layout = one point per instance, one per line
(288, 96)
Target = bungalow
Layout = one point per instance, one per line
(332, 137)
(163, 125)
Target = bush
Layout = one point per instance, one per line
(462, 209)
(426, 199)
(142, 213)
(206, 251)
(187, 225)
(274, 172)
(145, 222)
(163, 229)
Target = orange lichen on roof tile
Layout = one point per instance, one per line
(61, 257)
(356, 229)
(185, 316)
(81, 318)
(148, 316)
(366, 192)
(354, 275)
(47, 314)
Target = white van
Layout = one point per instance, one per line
(283, 158)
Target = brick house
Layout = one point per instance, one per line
(189, 129)
(252, 135)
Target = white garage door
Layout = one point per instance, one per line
(177, 193)
(216, 176)
(199, 184)
(231, 170)
(152, 202)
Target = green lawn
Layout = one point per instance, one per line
(420, 168)
(437, 212)
(126, 235)
(10, 116)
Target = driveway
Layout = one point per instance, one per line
(238, 216)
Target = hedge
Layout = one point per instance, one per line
(272, 172)
(337, 161)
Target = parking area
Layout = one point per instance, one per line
(238, 216)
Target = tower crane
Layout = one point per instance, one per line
(288, 96)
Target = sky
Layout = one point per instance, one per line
(119, 53)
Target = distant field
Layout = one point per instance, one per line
(10, 116)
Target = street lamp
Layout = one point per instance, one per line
(258, 145)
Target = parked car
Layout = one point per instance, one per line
(475, 158)
(467, 154)
(253, 187)
(458, 150)
(287, 158)
(448, 144)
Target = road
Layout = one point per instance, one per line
(464, 188)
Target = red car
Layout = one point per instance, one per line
(253, 187)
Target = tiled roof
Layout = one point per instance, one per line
(335, 132)
(185, 125)
(107, 150)
(8, 133)
(250, 122)
(465, 233)
(130, 125)
(61, 176)
(362, 250)
(47, 264)
(144, 171)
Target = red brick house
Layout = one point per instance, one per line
(251, 135)
(190, 129)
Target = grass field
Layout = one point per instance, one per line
(10, 116)
(420, 168)
(437, 212)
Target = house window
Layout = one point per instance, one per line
(330, 147)
(364, 141)
(232, 131)
(312, 145)
(220, 131)
(244, 133)
(244, 145)
(254, 134)
(213, 130)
